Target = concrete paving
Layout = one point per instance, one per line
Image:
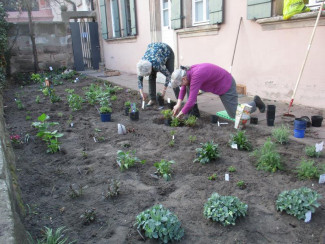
(211, 104)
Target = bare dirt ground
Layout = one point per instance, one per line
(45, 178)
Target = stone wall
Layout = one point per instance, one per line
(53, 43)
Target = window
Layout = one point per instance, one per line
(118, 18)
(165, 13)
(200, 12)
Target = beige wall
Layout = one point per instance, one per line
(267, 61)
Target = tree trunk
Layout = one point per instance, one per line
(32, 37)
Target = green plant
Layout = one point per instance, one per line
(164, 168)
(281, 134)
(192, 138)
(20, 105)
(307, 170)
(241, 140)
(175, 122)
(113, 98)
(74, 100)
(75, 193)
(60, 114)
(50, 237)
(88, 216)
(16, 139)
(36, 78)
(171, 143)
(84, 154)
(37, 99)
(127, 159)
(191, 121)
(298, 202)
(159, 223)
(113, 188)
(28, 117)
(167, 113)
(224, 209)
(267, 157)
(232, 169)
(241, 184)
(127, 104)
(311, 152)
(209, 151)
(105, 110)
(212, 177)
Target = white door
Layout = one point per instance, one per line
(167, 34)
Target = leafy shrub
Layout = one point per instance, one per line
(209, 151)
(281, 134)
(74, 100)
(105, 110)
(298, 202)
(127, 104)
(307, 170)
(241, 184)
(127, 159)
(241, 140)
(311, 152)
(224, 209)
(191, 121)
(167, 113)
(175, 122)
(159, 223)
(267, 158)
(163, 168)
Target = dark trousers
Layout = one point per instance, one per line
(153, 76)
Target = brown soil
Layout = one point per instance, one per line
(45, 178)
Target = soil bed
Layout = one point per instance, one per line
(45, 178)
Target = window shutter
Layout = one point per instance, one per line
(176, 18)
(133, 18)
(216, 11)
(116, 18)
(258, 9)
(103, 19)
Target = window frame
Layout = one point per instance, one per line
(206, 18)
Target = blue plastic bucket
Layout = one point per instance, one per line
(299, 133)
(300, 124)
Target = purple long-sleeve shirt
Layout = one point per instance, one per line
(206, 77)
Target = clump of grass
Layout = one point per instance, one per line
(311, 152)
(281, 134)
(51, 237)
(268, 159)
(307, 170)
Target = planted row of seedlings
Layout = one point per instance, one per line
(160, 223)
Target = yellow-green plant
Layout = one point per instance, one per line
(307, 170)
(311, 152)
(281, 134)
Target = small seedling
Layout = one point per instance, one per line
(113, 188)
(75, 193)
(60, 114)
(171, 143)
(20, 105)
(311, 152)
(208, 152)
(28, 117)
(175, 122)
(191, 121)
(164, 168)
(88, 216)
(192, 138)
(241, 184)
(37, 99)
(127, 159)
(241, 140)
(167, 113)
(213, 177)
(84, 154)
(232, 169)
(113, 98)
(50, 236)
(281, 134)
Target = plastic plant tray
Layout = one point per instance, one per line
(224, 114)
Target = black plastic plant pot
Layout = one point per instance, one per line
(134, 115)
(160, 100)
(307, 119)
(168, 122)
(214, 119)
(126, 111)
(105, 117)
(316, 120)
(254, 120)
(171, 105)
(270, 112)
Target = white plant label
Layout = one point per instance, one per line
(51, 68)
(307, 216)
(143, 104)
(94, 139)
(226, 177)
(234, 146)
(71, 124)
(322, 179)
(319, 146)
(168, 100)
(173, 137)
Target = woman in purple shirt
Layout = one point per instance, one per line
(209, 78)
